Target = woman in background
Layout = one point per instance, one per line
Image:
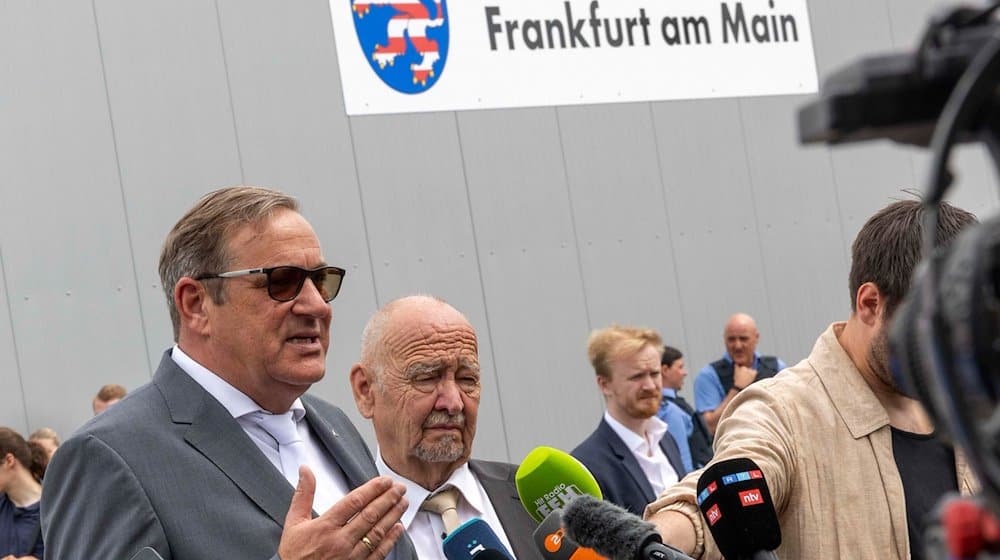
(22, 466)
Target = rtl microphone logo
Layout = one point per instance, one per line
(751, 497)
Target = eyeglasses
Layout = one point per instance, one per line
(285, 282)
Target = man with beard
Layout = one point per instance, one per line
(419, 382)
(630, 453)
(852, 465)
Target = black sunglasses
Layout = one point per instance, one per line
(285, 282)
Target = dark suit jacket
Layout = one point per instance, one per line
(498, 481)
(169, 468)
(616, 470)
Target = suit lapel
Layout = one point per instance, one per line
(354, 473)
(629, 463)
(516, 522)
(673, 454)
(217, 436)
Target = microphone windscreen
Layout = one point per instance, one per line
(606, 528)
(471, 539)
(548, 479)
(736, 503)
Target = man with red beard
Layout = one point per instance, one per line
(419, 382)
(630, 453)
(852, 464)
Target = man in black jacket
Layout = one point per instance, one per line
(630, 453)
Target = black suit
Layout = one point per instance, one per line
(617, 471)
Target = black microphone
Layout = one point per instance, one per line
(615, 532)
(736, 502)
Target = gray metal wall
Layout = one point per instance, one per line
(540, 224)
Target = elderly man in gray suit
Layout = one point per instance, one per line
(419, 382)
(222, 455)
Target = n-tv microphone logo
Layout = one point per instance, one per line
(405, 41)
(713, 514)
(751, 497)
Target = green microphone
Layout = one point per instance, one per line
(548, 479)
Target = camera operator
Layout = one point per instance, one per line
(852, 464)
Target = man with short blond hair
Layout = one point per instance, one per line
(630, 453)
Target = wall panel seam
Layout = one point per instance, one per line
(572, 220)
(13, 340)
(229, 93)
(844, 242)
(577, 242)
(482, 286)
(666, 219)
(756, 215)
(364, 214)
(121, 190)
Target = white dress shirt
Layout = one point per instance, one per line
(424, 528)
(331, 485)
(646, 450)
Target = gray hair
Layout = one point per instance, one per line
(198, 242)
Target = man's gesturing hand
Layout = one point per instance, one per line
(364, 524)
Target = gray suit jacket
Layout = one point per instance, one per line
(498, 481)
(169, 468)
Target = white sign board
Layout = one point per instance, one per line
(445, 55)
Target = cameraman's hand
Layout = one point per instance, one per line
(370, 511)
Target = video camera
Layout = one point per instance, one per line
(945, 337)
(901, 96)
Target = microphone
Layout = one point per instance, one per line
(736, 502)
(547, 480)
(474, 540)
(615, 532)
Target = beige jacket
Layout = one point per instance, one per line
(823, 442)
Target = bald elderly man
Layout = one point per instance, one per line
(419, 383)
(720, 381)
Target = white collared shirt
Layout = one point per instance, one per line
(331, 485)
(646, 450)
(425, 528)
